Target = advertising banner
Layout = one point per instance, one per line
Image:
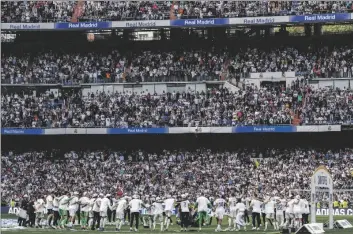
(320, 18)
(204, 22)
(329, 128)
(141, 24)
(22, 131)
(259, 20)
(27, 26)
(199, 22)
(267, 129)
(336, 211)
(83, 25)
(173, 130)
(347, 127)
(310, 128)
(137, 130)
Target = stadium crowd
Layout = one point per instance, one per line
(190, 65)
(61, 11)
(274, 172)
(267, 105)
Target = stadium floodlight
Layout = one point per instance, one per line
(321, 186)
(322, 179)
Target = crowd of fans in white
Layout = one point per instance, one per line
(277, 172)
(218, 107)
(114, 66)
(62, 11)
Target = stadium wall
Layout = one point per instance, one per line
(189, 141)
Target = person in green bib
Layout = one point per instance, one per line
(336, 204)
(63, 208)
(202, 205)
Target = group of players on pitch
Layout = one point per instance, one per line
(62, 210)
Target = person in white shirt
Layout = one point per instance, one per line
(39, 210)
(73, 207)
(63, 208)
(96, 211)
(84, 209)
(297, 211)
(169, 207)
(280, 205)
(305, 211)
(121, 207)
(202, 205)
(103, 209)
(49, 206)
(135, 206)
(270, 212)
(92, 201)
(158, 212)
(184, 212)
(232, 202)
(255, 204)
(289, 213)
(220, 204)
(240, 212)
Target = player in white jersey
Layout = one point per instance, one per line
(151, 210)
(169, 207)
(92, 201)
(84, 202)
(103, 210)
(63, 208)
(289, 213)
(184, 212)
(49, 206)
(306, 211)
(121, 207)
(280, 208)
(39, 210)
(270, 212)
(232, 202)
(240, 212)
(158, 213)
(220, 204)
(202, 205)
(73, 208)
(297, 211)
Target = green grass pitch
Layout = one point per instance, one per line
(176, 228)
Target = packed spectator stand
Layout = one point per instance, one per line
(273, 171)
(53, 67)
(272, 105)
(64, 11)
